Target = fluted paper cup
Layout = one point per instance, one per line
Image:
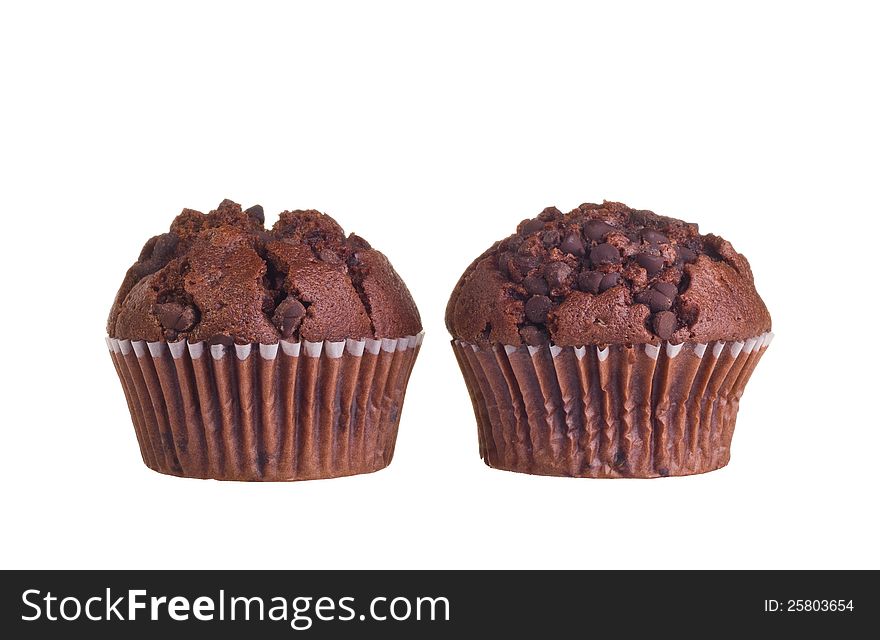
(638, 411)
(286, 411)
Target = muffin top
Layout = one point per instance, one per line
(224, 278)
(606, 274)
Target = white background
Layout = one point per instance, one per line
(432, 132)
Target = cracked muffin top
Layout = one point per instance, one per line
(606, 274)
(222, 277)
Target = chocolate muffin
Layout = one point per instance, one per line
(607, 342)
(255, 354)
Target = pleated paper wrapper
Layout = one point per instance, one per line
(641, 411)
(286, 411)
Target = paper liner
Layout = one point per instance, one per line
(287, 411)
(640, 412)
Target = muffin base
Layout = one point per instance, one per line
(641, 411)
(266, 412)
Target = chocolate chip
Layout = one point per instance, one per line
(666, 288)
(573, 244)
(537, 309)
(513, 242)
(288, 316)
(226, 341)
(551, 238)
(533, 336)
(663, 471)
(256, 213)
(556, 273)
(550, 214)
(589, 281)
(143, 269)
(609, 280)
(526, 263)
(528, 227)
(505, 263)
(175, 316)
(147, 249)
(157, 252)
(536, 285)
(596, 230)
(165, 245)
(651, 264)
(686, 255)
(664, 324)
(329, 256)
(655, 237)
(604, 254)
(654, 300)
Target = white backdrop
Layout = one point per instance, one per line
(432, 132)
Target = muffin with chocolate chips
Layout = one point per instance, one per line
(607, 342)
(248, 353)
